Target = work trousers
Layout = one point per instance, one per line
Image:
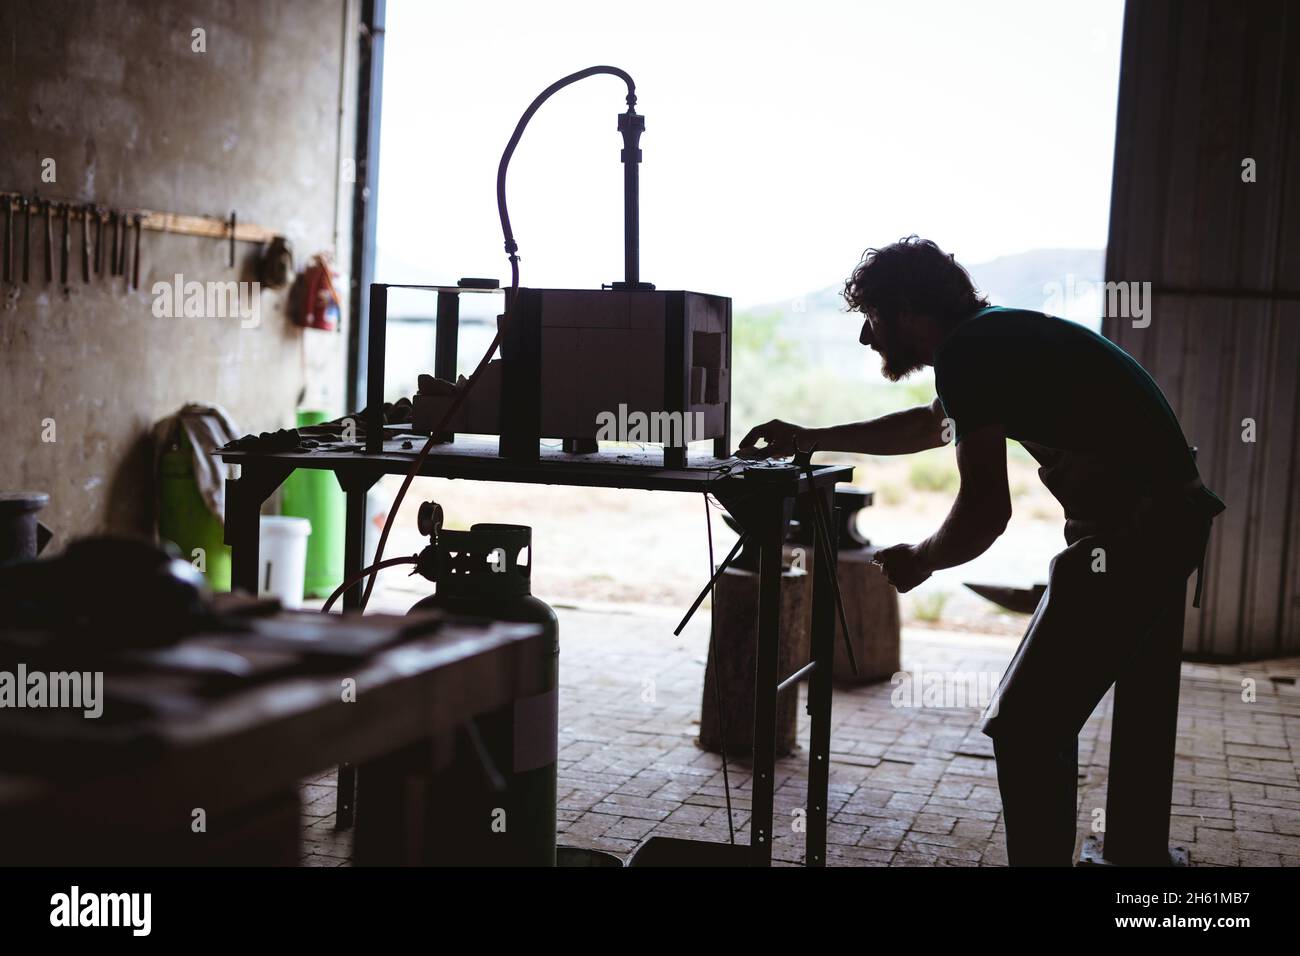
(1105, 592)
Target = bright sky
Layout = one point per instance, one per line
(781, 138)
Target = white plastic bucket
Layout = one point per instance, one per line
(282, 558)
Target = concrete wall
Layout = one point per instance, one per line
(133, 117)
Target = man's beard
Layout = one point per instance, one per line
(896, 360)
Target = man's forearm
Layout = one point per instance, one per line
(898, 433)
(965, 534)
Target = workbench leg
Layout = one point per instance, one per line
(355, 486)
(243, 526)
(765, 681)
(244, 498)
(819, 691)
(345, 801)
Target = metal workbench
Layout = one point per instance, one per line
(762, 506)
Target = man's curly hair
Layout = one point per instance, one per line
(916, 275)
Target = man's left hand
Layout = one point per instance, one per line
(903, 566)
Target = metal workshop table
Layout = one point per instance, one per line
(761, 507)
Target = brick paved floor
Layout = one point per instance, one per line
(909, 786)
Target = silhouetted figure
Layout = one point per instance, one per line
(1110, 450)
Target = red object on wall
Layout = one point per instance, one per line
(320, 305)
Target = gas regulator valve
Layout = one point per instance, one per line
(429, 523)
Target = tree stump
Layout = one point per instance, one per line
(871, 610)
(732, 649)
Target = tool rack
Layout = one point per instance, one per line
(111, 226)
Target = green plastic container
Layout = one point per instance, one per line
(315, 494)
(184, 518)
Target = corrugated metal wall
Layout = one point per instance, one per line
(1204, 86)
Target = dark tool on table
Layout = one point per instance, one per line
(66, 211)
(137, 219)
(27, 238)
(49, 244)
(91, 596)
(85, 243)
(99, 241)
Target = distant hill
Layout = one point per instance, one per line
(826, 333)
(1019, 280)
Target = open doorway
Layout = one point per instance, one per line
(780, 142)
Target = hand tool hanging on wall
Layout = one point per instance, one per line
(9, 239)
(27, 238)
(137, 219)
(99, 241)
(85, 243)
(126, 227)
(119, 266)
(66, 211)
(275, 264)
(112, 246)
(49, 245)
(232, 238)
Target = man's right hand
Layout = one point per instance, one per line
(780, 438)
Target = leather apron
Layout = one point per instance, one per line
(1129, 553)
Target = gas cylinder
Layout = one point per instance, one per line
(498, 795)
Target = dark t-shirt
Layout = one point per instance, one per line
(1084, 408)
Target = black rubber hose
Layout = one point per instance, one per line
(511, 246)
(512, 249)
